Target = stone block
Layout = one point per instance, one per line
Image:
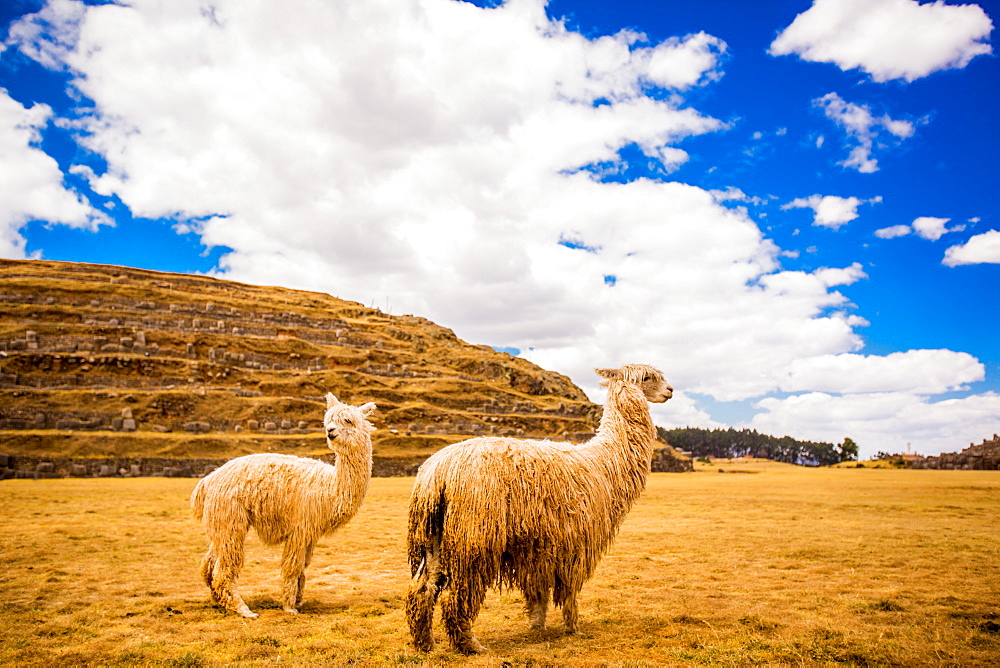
(45, 467)
(128, 424)
(286, 424)
(253, 425)
(270, 426)
(107, 471)
(78, 470)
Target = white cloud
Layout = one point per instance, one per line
(913, 371)
(683, 63)
(932, 229)
(862, 128)
(888, 39)
(925, 227)
(732, 194)
(50, 34)
(830, 211)
(884, 421)
(893, 232)
(981, 249)
(31, 184)
(431, 153)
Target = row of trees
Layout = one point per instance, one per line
(729, 443)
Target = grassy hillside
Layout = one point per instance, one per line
(110, 361)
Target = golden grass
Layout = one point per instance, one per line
(761, 564)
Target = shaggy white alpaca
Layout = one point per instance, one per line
(534, 515)
(286, 499)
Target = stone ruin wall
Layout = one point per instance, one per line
(124, 421)
(668, 460)
(982, 457)
(665, 459)
(37, 468)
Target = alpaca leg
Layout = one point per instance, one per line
(422, 598)
(302, 576)
(536, 583)
(536, 603)
(570, 613)
(293, 566)
(566, 587)
(207, 568)
(226, 571)
(459, 609)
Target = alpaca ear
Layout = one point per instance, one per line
(610, 374)
(368, 408)
(331, 400)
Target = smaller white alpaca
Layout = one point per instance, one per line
(285, 499)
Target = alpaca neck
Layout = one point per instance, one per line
(352, 475)
(626, 436)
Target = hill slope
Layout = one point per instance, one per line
(99, 361)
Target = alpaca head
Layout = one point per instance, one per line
(648, 379)
(344, 423)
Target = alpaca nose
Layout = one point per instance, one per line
(331, 432)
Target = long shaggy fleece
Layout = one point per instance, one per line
(534, 515)
(285, 499)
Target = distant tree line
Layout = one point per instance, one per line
(730, 443)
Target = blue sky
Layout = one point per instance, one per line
(790, 206)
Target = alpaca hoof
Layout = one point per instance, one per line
(246, 612)
(424, 646)
(471, 646)
(291, 611)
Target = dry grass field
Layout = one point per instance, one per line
(762, 564)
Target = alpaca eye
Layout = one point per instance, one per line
(348, 421)
(645, 379)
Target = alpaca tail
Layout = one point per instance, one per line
(426, 529)
(198, 499)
